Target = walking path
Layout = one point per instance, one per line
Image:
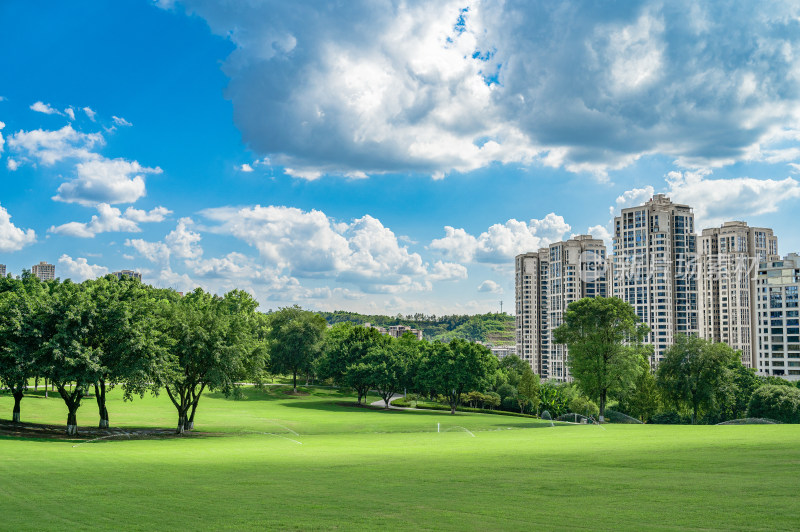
(380, 403)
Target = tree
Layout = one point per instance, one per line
(513, 367)
(295, 339)
(21, 304)
(692, 371)
(733, 395)
(124, 338)
(345, 347)
(456, 368)
(604, 337)
(643, 401)
(528, 390)
(391, 367)
(553, 399)
(212, 343)
(781, 403)
(67, 357)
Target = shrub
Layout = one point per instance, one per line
(583, 406)
(781, 403)
(667, 418)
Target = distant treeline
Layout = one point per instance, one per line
(496, 328)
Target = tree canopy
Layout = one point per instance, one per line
(604, 337)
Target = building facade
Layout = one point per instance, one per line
(728, 258)
(128, 273)
(778, 315)
(44, 271)
(654, 268)
(546, 282)
(2, 270)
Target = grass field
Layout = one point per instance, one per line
(329, 466)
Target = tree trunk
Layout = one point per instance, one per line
(72, 423)
(602, 406)
(294, 381)
(45, 388)
(36, 384)
(17, 401)
(181, 424)
(100, 396)
(452, 408)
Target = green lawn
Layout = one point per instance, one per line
(355, 468)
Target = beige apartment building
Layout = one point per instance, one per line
(778, 317)
(728, 258)
(44, 271)
(127, 273)
(546, 282)
(654, 268)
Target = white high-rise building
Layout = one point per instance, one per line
(728, 258)
(778, 316)
(546, 282)
(44, 271)
(654, 268)
(2, 270)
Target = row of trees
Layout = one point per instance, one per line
(608, 360)
(119, 332)
(111, 332)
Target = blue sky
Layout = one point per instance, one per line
(381, 156)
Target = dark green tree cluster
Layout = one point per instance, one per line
(362, 359)
(109, 332)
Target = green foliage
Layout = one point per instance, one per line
(295, 341)
(455, 368)
(781, 403)
(554, 399)
(495, 328)
(391, 367)
(506, 390)
(644, 400)
(693, 370)
(583, 406)
(667, 418)
(211, 341)
(528, 391)
(346, 346)
(604, 337)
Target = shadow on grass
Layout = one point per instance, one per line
(278, 393)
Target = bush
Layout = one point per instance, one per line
(781, 403)
(667, 418)
(583, 406)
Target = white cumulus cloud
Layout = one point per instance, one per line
(111, 219)
(12, 238)
(440, 87)
(490, 287)
(106, 181)
(500, 243)
(79, 269)
(46, 108)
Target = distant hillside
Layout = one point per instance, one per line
(493, 328)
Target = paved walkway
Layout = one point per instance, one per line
(381, 403)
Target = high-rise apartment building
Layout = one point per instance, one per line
(546, 282)
(44, 271)
(127, 273)
(778, 317)
(654, 268)
(728, 258)
(530, 285)
(2, 270)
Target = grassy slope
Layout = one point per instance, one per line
(366, 469)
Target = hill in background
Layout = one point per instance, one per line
(492, 328)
